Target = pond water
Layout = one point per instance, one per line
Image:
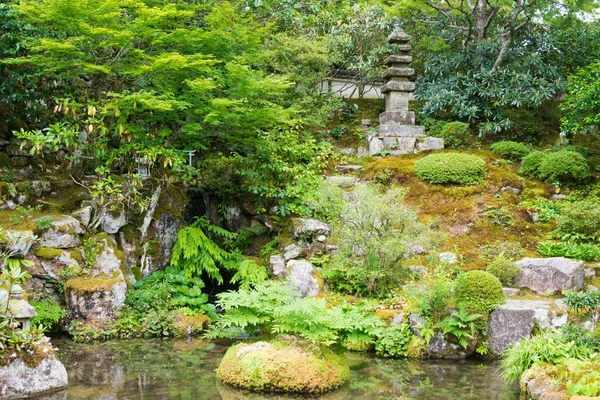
(185, 369)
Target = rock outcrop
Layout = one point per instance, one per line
(550, 275)
(94, 298)
(18, 380)
(63, 233)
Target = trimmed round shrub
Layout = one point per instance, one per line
(530, 165)
(451, 168)
(504, 269)
(510, 150)
(479, 290)
(456, 134)
(564, 166)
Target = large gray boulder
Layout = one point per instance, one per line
(310, 228)
(112, 223)
(94, 298)
(63, 233)
(301, 274)
(507, 325)
(18, 380)
(551, 275)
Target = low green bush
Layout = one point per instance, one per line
(510, 150)
(579, 221)
(560, 167)
(451, 168)
(456, 134)
(49, 313)
(564, 166)
(530, 164)
(479, 290)
(577, 251)
(504, 269)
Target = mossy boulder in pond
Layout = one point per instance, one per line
(283, 365)
(451, 169)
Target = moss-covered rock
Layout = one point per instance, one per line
(286, 364)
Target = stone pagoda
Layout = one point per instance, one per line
(398, 133)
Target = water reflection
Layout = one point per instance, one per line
(184, 369)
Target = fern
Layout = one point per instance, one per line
(196, 252)
(249, 273)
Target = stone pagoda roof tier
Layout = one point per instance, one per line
(395, 86)
(397, 60)
(394, 72)
(398, 36)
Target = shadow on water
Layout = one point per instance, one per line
(185, 369)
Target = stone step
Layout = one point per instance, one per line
(348, 168)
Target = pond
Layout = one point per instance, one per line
(185, 369)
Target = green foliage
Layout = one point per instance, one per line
(559, 167)
(325, 202)
(548, 210)
(434, 301)
(548, 347)
(463, 325)
(588, 385)
(196, 251)
(586, 304)
(530, 165)
(273, 308)
(579, 221)
(578, 251)
(393, 341)
(384, 229)
(49, 313)
(581, 109)
(510, 150)
(43, 224)
(479, 290)
(504, 269)
(451, 168)
(456, 134)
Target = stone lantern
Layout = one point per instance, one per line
(18, 308)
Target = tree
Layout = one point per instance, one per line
(582, 102)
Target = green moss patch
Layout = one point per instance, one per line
(48, 253)
(91, 284)
(283, 365)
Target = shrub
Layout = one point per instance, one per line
(578, 251)
(49, 313)
(531, 164)
(373, 236)
(510, 150)
(499, 216)
(579, 221)
(547, 209)
(564, 166)
(451, 168)
(456, 134)
(433, 301)
(479, 290)
(504, 269)
(393, 341)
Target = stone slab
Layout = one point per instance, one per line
(401, 130)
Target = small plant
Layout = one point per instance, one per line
(510, 150)
(510, 250)
(49, 313)
(43, 224)
(547, 209)
(338, 131)
(504, 269)
(383, 177)
(451, 168)
(479, 290)
(456, 134)
(585, 304)
(393, 341)
(463, 325)
(579, 222)
(499, 216)
(577, 251)
(23, 214)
